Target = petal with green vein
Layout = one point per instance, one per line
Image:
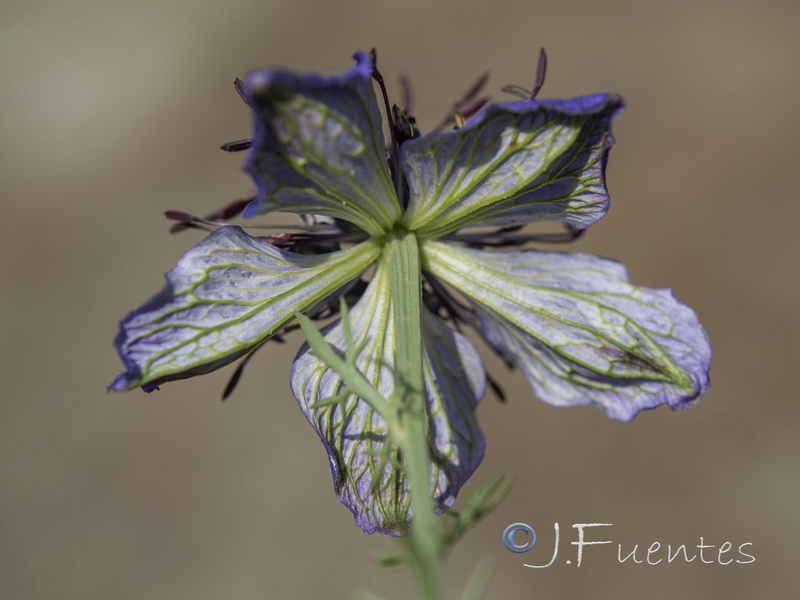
(319, 147)
(354, 435)
(512, 164)
(578, 330)
(224, 297)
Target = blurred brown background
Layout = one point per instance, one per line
(113, 111)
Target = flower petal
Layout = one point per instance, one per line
(578, 330)
(225, 296)
(319, 147)
(353, 433)
(512, 164)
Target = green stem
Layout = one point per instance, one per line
(402, 258)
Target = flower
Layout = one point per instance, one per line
(572, 323)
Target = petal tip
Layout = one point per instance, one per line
(363, 64)
(120, 384)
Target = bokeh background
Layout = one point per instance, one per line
(112, 112)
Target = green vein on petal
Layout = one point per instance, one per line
(319, 148)
(355, 436)
(513, 164)
(578, 329)
(224, 297)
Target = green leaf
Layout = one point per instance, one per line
(478, 582)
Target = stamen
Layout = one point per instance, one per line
(231, 210)
(281, 240)
(471, 109)
(498, 391)
(459, 105)
(406, 94)
(404, 130)
(187, 221)
(237, 374)
(394, 151)
(309, 234)
(541, 71)
(456, 310)
(226, 212)
(243, 93)
(516, 90)
(237, 146)
(473, 90)
(459, 313)
(313, 238)
(501, 237)
(179, 215)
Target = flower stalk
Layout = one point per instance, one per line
(411, 430)
(404, 412)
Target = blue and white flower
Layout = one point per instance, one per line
(572, 323)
